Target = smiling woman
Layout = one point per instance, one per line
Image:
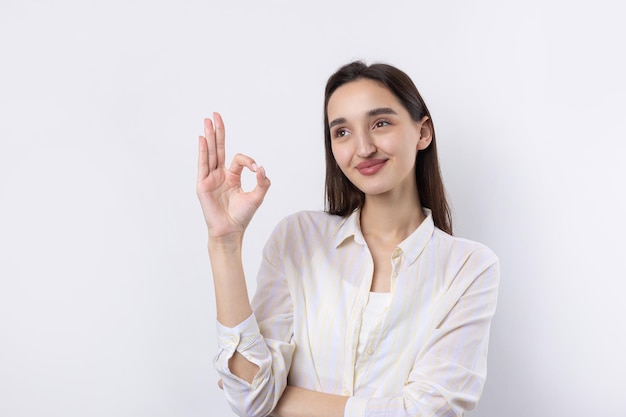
(371, 307)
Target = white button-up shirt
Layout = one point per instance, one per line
(428, 356)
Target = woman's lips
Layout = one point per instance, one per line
(371, 166)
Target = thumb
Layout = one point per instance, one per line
(262, 184)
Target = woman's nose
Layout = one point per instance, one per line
(365, 145)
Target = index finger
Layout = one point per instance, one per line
(220, 138)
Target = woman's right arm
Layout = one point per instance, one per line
(244, 356)
(227, 211)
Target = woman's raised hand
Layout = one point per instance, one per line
(227, 208)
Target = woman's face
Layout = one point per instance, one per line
(374, 139)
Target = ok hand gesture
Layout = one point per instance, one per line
(227, 208)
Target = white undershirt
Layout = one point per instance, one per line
(372, 318)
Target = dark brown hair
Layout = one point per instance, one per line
(342, 197)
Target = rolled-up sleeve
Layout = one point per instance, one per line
(272, 357)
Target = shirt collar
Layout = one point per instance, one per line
(411, 247)
(350, 227)
(415, 243)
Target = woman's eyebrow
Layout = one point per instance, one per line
(381, 111)
(374, 112)
(336, 122)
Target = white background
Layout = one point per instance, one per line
(106, 298)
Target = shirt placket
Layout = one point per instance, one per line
(354, 324)
(396, 261)
(357, 316)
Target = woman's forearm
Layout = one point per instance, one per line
(300, 402)
(231, 293)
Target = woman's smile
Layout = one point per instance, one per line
(371, 167)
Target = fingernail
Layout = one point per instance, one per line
(254, 167)
(263, 172)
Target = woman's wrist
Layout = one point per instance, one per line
(228, 243)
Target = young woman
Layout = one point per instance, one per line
(371, 308)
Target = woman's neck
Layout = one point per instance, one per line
(390, 219)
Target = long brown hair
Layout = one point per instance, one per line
(342, 197)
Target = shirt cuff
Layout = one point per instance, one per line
(240, 337)
(355, 407)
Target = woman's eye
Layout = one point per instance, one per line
(340, 133)
(381, 123)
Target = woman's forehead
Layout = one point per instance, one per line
(359, 98)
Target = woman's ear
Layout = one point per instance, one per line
(426, 133)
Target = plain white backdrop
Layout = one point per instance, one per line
(106, 298)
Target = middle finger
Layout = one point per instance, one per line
(209, 134)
